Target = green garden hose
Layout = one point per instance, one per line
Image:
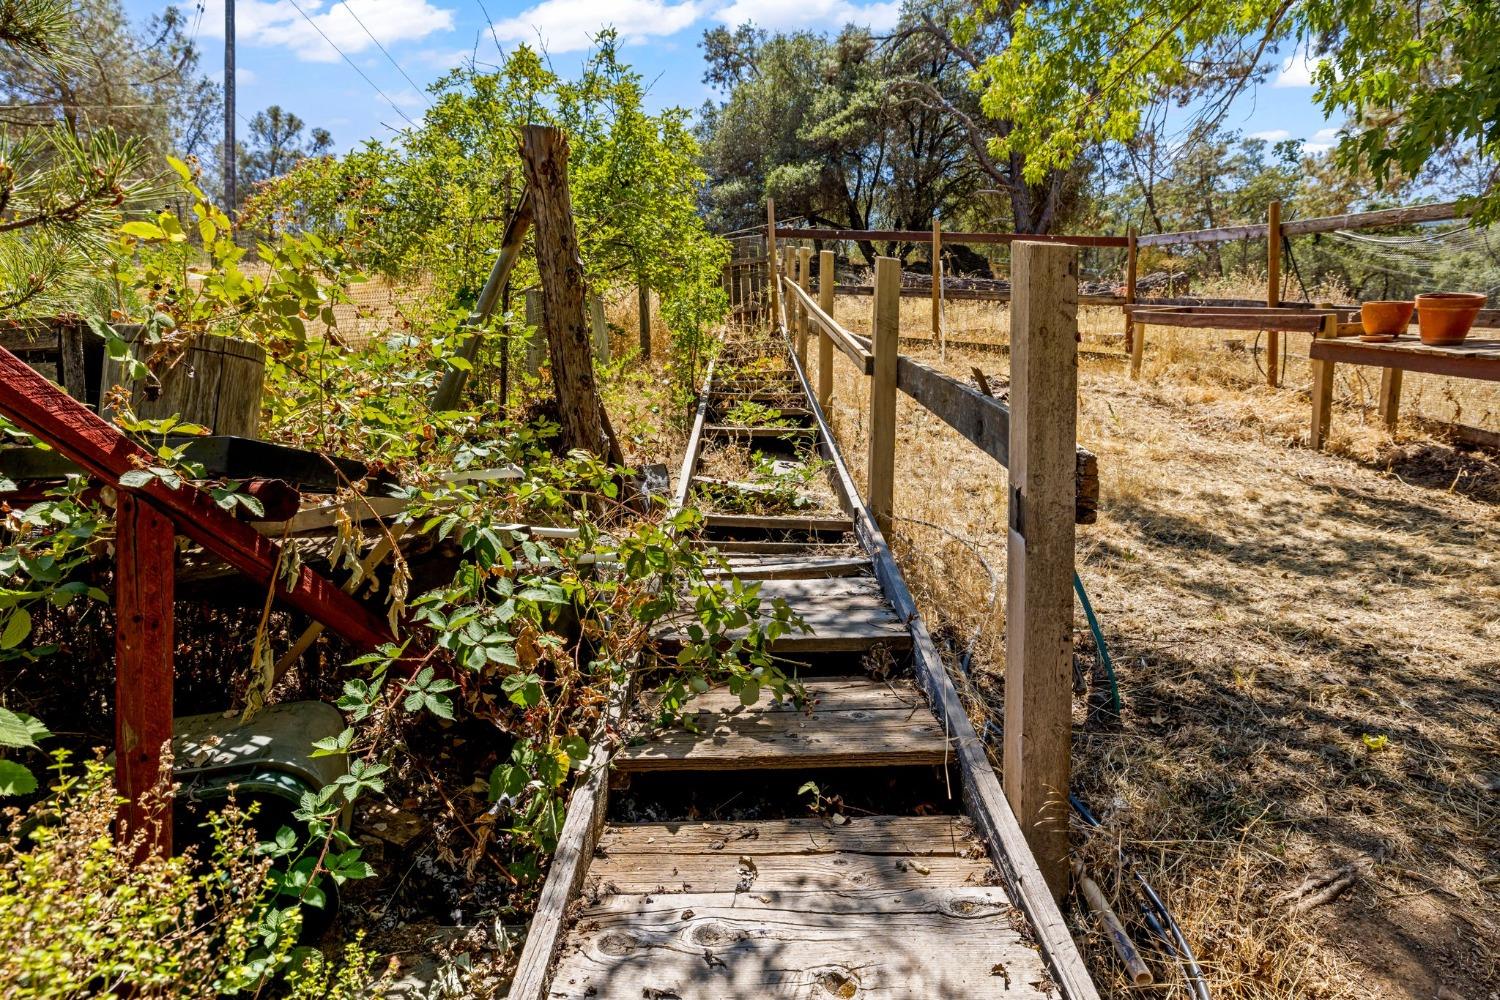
(1115, 704)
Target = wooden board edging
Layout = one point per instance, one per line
(983, 796)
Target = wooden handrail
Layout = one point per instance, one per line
(925, 236)
(842, 339)
(1440, 212)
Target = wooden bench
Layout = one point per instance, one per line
(1474, 358)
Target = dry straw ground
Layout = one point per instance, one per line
(1308, 647)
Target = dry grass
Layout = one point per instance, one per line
(1268, 609)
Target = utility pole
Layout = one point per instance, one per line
(229, 143)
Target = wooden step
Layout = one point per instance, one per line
(746, 546)
(868, 943)
(741, 431)
(792, 567)
(773, 523)
(842, 614)
(852, 722)
(866, 852)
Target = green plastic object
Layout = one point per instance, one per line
(267, 760)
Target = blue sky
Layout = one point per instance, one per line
(283, 59)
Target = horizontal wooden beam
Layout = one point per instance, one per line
(1441, 212)
(974, 294)
(1228, 319)
(99, 448)
(925, 236)
(984, 421)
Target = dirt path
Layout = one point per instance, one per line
(1309, 651)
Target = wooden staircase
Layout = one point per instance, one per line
(907, 904)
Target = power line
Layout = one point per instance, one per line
(352, 65)
(349, 6)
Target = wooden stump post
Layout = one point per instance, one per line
(1322, 387)
(937, 279)
(145, 567)
(599, 328)
(1039, 579)
(1390, 397)
(544, 155)
(804, 280)
(825, 342)
(885, 341)
(1273, 287)
(771, 259)
(643, 316)
(1132, 262)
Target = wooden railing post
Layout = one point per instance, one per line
(1132, 258)
(885, 341)
(789, 273)
(1039, 579)
(937, 279)
(1273, 287)
(826, 281)
(145, 566)
(1322, 387)
(804, 280)
(771, 260)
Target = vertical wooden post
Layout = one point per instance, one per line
(789, 270)
(937, 279)
(1322, 387)
(1390, 397)
(643, 315)
(145, 567)
(771, 259)
(804, 280)
(544, 156)
(1273, 288)
(1131, 264)
(885, 341)
(1039, 579)
(826, 281)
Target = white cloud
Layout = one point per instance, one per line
(1296, 70)
(570, 25)
(1273, 135)
(791, 14)
(1321, 141)
(278, 23)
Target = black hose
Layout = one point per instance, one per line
(1161, 922)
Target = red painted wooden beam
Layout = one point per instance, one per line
(145, 568)
(40, 408)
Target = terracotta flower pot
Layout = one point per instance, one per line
(1445, 317)
(1386, 319)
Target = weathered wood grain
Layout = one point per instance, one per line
(903, 836)
(874, 945)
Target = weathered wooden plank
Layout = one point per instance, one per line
(763, 741)
(1227, 319)
(794, 569)
(898, 836)
(775, 523)
(824, 694)
(741, 431)
(723, 872)
(1323, 224)
(870, 944)
(1477, 359)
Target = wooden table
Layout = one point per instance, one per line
(1474, 358)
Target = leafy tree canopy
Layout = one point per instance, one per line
(1414, 79)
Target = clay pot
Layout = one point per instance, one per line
(1445, 317)
(1386, 319)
